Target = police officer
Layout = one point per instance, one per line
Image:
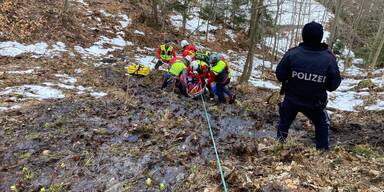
(308, 72)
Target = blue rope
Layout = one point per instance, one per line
(214, 147)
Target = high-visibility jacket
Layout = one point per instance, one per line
(165, 53)
(221, 71)
(202, 55)
(202, 63)
(177, 68)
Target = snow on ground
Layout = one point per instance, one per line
(139, 32)
(9, 108)
(376, 107)
(125, 21)
(98, 94)
(267, 84)
(103, 12)
(98, 48)
(13, 49)
(34, 91)
(145, 60)
(29, 71)
(346, 101)
(289, 15)
(193, 24)
(231, 34)
(314, 11)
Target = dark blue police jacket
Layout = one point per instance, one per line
(309, 72)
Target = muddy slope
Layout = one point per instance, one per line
(138, 131)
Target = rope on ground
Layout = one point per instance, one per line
(214, 147)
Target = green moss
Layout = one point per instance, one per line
(363, 150)
(32, 136)
(366, 83)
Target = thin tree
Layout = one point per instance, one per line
(66, 6)
(275, 30)
(155, 11)
(374, 56)
(335, 23)
(254, 27)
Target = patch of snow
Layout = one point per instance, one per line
(29, 71)
(192, 24)
(78, 70)
(34, 91)
(379, 106)
(103, 12)
(231, 34)
(346, 101)
(98, 94)
(358, 61)
(82, 2)
(347, 84)
(125, 22)
(139, 32)
(264, 84)
(378, 81)
(66, 78)
(289, 16)
(346, 51)
(13, 49)
(355, 71)
(145, 60)
(9, 108)
(98, 49)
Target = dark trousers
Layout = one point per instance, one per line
(158, 64)
(168, 78)
(319, 118)
(222, 90)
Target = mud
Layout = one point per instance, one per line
(140, 131)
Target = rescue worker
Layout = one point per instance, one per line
(188, 49)
(175, 72)
(165, 53)
(220, 74)
(308, 72)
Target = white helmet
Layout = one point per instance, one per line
(194, 65)
(189, 58)
(184, 43)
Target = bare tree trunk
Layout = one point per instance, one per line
(213, 6)
(244, 76)
(155, 11)
(292, 24)
(298, 22)
(351, 38)
(380, 46)
(66, 6)
(372, 60)
(335, 23)
(256, 15)
(275, 31)
(184, 14)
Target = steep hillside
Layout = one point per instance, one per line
(71, 119)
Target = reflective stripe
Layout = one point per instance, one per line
(201, 63)
(219, 67)
(166, 54)
(177, 68)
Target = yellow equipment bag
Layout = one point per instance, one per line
(138, 70)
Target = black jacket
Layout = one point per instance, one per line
(308, 73)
